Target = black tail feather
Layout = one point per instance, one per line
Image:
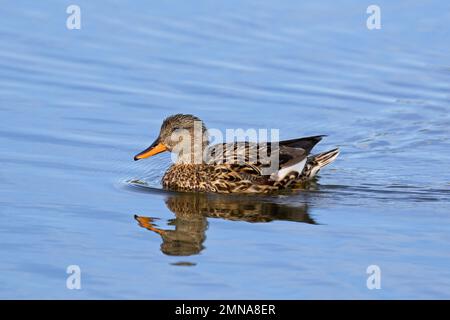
(306, 143)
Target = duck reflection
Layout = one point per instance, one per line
(192, 210)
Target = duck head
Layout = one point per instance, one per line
(182, 134)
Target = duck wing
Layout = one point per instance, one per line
(306, 143)
(249, 159)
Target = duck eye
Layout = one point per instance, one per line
(179, 128)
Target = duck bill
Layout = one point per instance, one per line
(155, 148)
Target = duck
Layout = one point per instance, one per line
(233, 167)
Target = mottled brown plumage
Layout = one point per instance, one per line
(239, 167)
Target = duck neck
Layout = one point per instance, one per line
(193, 155)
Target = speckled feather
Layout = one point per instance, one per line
(216, 176)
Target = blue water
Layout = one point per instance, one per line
(77, 105)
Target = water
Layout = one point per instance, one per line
(75, 106)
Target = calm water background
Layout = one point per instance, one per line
(75, 106)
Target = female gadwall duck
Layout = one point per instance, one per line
(236, 167)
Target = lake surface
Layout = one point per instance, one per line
(77, 105)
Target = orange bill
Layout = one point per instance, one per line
(155, 148)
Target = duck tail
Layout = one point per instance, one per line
(318, 161)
